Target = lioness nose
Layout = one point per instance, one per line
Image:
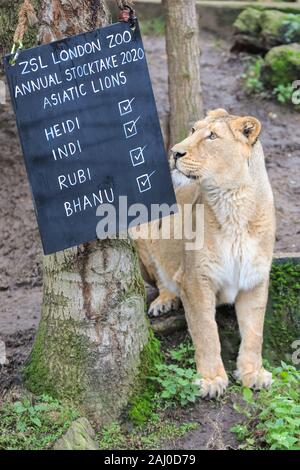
(177, 155)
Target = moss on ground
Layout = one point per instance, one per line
(33, 423)
(282, 323)
(282, 65)
(248, 21)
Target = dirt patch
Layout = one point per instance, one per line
(20, 313)
(20, 247)
(18, 346)
(214, 419)
(20, 310)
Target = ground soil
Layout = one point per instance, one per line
(20, 247)
(214, 419)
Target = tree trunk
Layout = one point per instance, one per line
(183, 50)
(61, 18)
(93, 327)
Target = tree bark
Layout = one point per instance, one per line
(183, 50)
(61, 18)
(93, 326)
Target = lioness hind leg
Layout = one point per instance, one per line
(165, 302)
(250, 310)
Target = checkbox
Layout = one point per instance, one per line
(143, 182)
(137, 156)
(130, 128)
(125, 107)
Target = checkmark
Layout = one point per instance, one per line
(143, 182)
(130, 128)
(125, 106)
(137, 155)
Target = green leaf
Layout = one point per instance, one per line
(19, 408)
(35, 420)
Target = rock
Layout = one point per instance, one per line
(248, 22)
(279, 28)
(78, 437)
(247, 30)
(263, 29)
(169, 323)
(282, 65)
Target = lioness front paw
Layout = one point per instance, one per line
(256, 379)
(212, 387)
(163, 304)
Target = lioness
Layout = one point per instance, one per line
(220, 165)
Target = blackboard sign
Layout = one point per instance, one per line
(89, 130)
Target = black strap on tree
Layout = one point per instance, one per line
(127, 13)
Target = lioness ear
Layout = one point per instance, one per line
(248, 126)
(217, 113)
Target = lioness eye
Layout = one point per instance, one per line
(212, 136)
(193, 130)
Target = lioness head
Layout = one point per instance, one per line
(217, 151)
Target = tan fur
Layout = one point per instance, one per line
(226, 164)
